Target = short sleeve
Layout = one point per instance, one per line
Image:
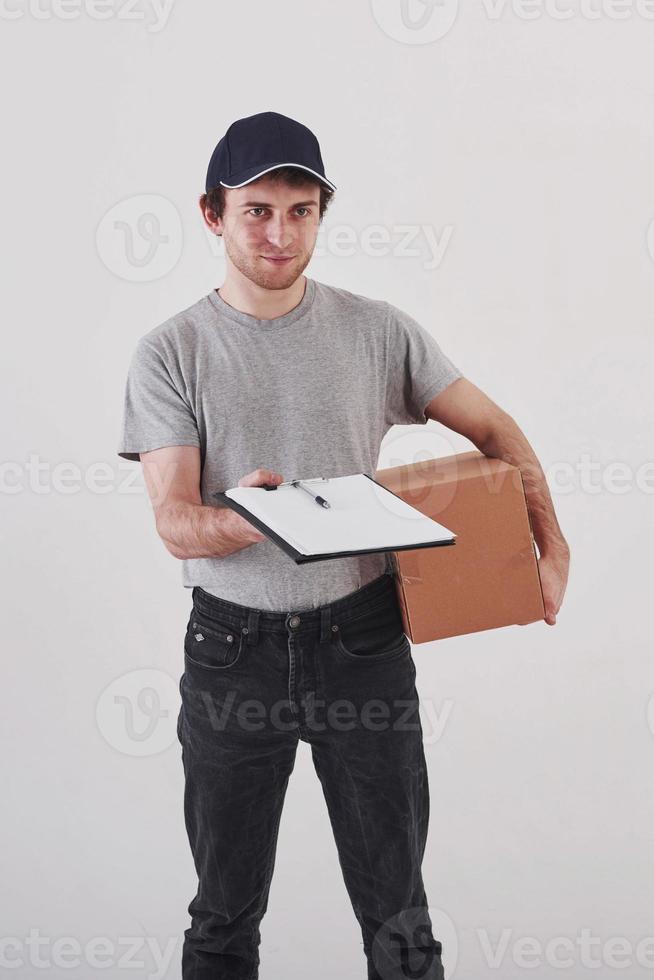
(155, 413)
(417, 369)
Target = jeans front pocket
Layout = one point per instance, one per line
(212, 645)
(376, 636)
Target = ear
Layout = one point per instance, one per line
(214, 224)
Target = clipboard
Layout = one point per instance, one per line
(441, 536)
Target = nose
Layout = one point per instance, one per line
(279, 233)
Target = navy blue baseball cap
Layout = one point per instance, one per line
(256, 144)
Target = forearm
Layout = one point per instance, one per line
(200, 531)
(509, 443)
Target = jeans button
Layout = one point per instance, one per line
(294, 621)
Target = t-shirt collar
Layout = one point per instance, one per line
(247, 320)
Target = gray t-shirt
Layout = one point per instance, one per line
(310, 393)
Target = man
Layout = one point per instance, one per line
(276, 376)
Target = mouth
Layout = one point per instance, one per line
(281, 260)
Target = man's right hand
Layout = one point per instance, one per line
(188, 527)
(257, 478)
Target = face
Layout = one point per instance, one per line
(266, 220)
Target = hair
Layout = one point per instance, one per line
(214, 199)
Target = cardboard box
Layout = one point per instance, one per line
(489, 577)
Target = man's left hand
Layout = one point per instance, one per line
(553, 570)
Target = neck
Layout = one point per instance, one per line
(264, 304)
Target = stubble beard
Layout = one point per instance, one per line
(253, 268)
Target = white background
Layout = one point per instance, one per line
(525, 144)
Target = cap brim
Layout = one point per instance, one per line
(247, 176)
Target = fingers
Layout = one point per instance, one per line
(550, 614)
(260, 476)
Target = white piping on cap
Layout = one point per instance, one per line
(274, 167)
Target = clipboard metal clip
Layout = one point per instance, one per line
(289, 483)
(316, 479)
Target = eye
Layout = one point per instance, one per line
(304, 209)
(256, 209)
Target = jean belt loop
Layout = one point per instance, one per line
(253, 626)
(325, 623)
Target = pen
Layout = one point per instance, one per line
(318, 499)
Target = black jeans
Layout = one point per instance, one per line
(341, 677)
